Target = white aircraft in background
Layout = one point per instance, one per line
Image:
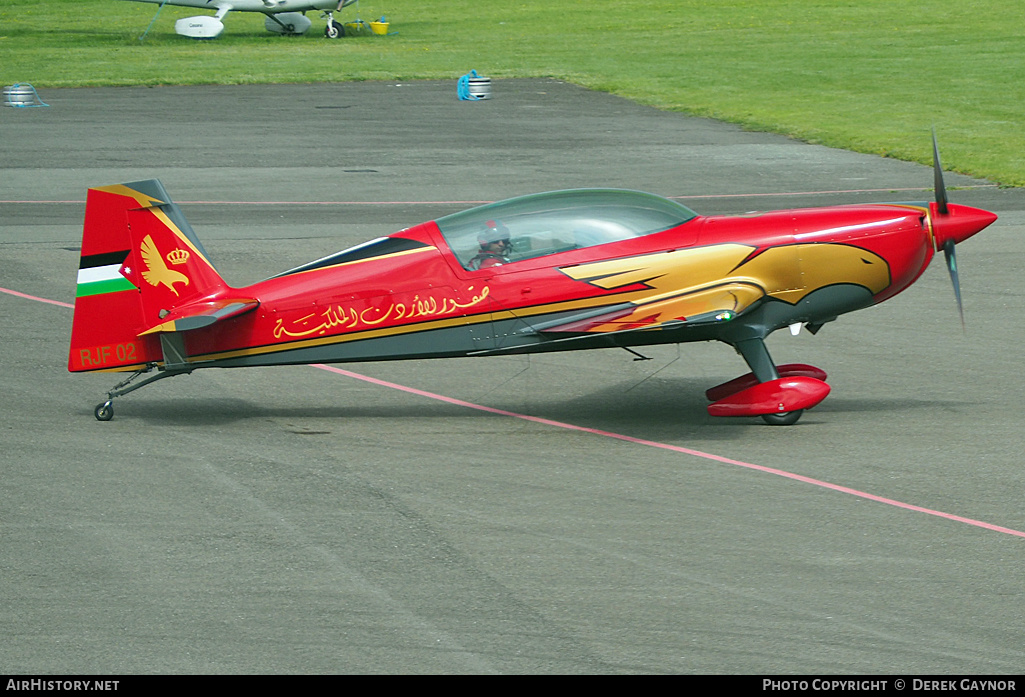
(283, 16)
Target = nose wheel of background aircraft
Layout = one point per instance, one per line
(334, 30)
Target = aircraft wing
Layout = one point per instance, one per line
(707, 305)
(202, 314)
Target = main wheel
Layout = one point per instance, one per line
(787, 418)
(104, 412)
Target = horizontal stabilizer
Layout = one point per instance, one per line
(202, 314)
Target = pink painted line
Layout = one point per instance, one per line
(290, 203)
(476, 203)
(676, 448)
(332, 203)
(32, 297)
(824, 193)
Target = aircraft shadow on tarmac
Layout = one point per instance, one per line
(665, 409)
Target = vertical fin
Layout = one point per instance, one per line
(140, 259)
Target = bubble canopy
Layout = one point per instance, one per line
(559, 221)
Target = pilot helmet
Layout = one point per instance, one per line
(494, 232)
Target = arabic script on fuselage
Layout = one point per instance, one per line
(342, 318)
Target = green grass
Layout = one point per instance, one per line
(866, 75)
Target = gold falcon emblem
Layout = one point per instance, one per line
(156, 270)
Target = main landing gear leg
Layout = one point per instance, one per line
(778, 394)
(757, 356)
(105, 410)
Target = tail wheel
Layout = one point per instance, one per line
(104, 411)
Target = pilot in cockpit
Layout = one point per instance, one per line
(495, 246)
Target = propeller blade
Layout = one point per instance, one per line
(950, 255)
(937, 174)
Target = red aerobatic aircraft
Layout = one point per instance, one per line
(558, 271)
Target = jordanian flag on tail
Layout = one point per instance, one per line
(101, 273)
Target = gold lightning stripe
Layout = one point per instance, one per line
(152, 204)
(785, 272)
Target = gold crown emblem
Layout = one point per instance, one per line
(178, 256)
